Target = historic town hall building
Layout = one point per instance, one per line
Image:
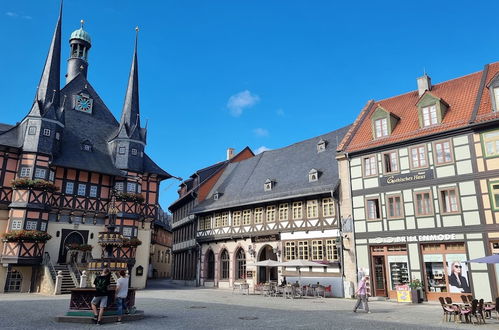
(65, 167)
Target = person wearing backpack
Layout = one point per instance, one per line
(101, 283)
(121, 293)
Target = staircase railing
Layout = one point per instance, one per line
(47, 262)
(72, 273)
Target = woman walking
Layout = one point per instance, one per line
(362, 295)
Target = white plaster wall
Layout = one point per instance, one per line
(142, 259)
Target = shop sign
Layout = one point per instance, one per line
(414, 238)
(266, 238)
(405, 178)
(403, 293)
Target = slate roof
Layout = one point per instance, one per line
(469, 103)
(10, 137)
(242, 182)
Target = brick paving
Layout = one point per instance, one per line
(173, 307)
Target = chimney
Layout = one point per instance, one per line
(230, 153)
(424, 84)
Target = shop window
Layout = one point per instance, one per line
(225, 219)
(297, 210)
(236, 218)
(396, 248)
(303, 250)
(399, 272)
(258, 215)
(224, 265)
(240, 264)
(317, 250)
(270, 214)
(331, 250)
(290, 252)
(246, 217)
(218, 220)
(373, 208)
(327, 207)
(419, 158)
(14, 281)
(390, 162)
(423, 203)
(283, 212)
(370, 168)
(490, 143)
(449, 200)
(443, 152)
(312, 209)
(394, 206)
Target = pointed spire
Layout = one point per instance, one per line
(49, 87)
(130, 117)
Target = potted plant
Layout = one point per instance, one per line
(416, 286)
(27, 236)
(38, 184)
(132, 242)
(129, 197)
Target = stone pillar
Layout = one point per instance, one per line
(58, 283)
(83, 279)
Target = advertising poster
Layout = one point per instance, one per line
(457, 273)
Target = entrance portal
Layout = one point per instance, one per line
(70, 239)
(266, 274)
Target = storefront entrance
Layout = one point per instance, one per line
(266, 274)
(389, 268)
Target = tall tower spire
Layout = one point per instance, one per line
(48, 89)
(130, 116)
(80, 43)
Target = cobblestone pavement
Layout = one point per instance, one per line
(173, 307)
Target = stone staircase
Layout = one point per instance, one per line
(67, 279)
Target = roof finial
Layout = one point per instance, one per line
(137, 29)
(82, 22)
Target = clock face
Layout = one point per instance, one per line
(84, 104)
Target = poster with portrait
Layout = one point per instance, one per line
(457, 272)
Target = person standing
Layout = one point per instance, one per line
(362, 295)
(101, 283)
(121, 293)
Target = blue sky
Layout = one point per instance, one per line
(261, 73)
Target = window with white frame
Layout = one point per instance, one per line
(373, 208)
(43, 226)
(25, 172)
(40, 173)
(290, 250)
(381, 127)
(119, 186)
(225, 219)
(236, 218)
(69, 188)
(496, 97)
(317, 250)
(297, 209)
(419, 157)
(218, 220)
(313, 175)
(312, 209)
(303, 250)
(494, 195)
(331, 250)
(127, 231)
(390, 160)
(121, 150)
(270, 214)
(82, 189)
(246, 217)
(31, 225)
(258, 215)
(283, 211)
(46, 132)
(443, 152)
(490, 142)
(370, 167)
(131, 187)
(32, 130)
(327, 207)
(51, 175)
(93, 191)
(430, 115)
(16, 224)
(449, 200)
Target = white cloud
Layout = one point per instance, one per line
(261, 149)
(280, 112)
(239, 102)
(11, 14)
(16, 15)
(261, 132)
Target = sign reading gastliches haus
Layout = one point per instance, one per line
(407, 177)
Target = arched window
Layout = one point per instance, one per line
(240, 264)
(224, 265)
(210, 273)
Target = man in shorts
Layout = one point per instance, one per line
(101, 283)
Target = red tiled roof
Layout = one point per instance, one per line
(461, 95)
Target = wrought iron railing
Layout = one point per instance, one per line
(47, 262)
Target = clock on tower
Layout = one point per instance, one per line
(83, 103)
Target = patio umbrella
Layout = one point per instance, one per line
(493, 259)
(266, 263)
(299, 263)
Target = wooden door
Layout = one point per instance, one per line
(379, 276)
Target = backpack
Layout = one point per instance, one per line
(101, 284)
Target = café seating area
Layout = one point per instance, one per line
(469, 310)
(292, 291)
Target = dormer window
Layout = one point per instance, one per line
(383, 122)
(86, 146)
(269, 185)
(430, 116)
(216, 195)
(321, 145)
(493, 87)
(313, 175)
(431, 110)
(496, 98)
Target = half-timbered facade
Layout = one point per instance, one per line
(281, 205)
(422, 170)
(60, 166)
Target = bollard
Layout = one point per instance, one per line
(58, 283)
(83, 279)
